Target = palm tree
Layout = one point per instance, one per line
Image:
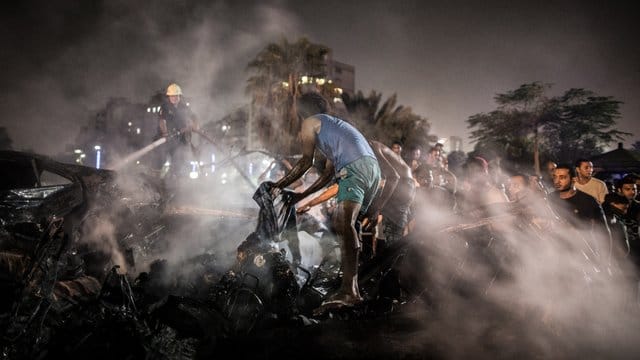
(278, 70)
(386, 121)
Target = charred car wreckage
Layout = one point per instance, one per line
(82, 276)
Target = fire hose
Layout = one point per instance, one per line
(139, 153)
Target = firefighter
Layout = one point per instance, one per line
(176, 118)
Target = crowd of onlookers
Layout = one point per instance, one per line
(571, 192)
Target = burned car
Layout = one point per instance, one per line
(51, 255)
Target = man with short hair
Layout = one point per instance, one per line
(627, 187)
(477, 190)
(518, 187)
(414, 157)
(575, 206)
(352, 161)
(615, 208)
(396, 147)
(585, 181)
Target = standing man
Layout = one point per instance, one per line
(585, 181)
(627, 187)
(176, 116)
(575, 206)
(352, 161)
(518, 188)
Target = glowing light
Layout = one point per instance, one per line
(304, 79)
(194, 170)
(82, 156)
(213, 161)
(129, 123)
(98, 153)
(138, 131)
(338, 90)
(148, 110)
(77, 151)
(320, 81)
(285, 84)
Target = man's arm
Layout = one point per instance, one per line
(308, 137)
(162, 124)
(330, 192)
(321, 182)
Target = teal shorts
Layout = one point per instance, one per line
(358, 182)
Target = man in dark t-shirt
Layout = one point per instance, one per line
(579, 209)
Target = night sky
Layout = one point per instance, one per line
(63, 60)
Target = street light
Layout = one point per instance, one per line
(98, 151)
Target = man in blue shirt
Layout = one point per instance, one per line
(352, 161)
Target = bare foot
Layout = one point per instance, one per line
(337, 301)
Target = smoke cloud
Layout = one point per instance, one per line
(82, 55)
(524, 288)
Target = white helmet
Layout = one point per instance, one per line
(173, 89)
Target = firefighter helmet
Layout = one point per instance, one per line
(173, 89)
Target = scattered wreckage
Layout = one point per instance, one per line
(68, 294)
(65, 227)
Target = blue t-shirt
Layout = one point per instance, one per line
(340, 142)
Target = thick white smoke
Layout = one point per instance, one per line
(519, 289)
